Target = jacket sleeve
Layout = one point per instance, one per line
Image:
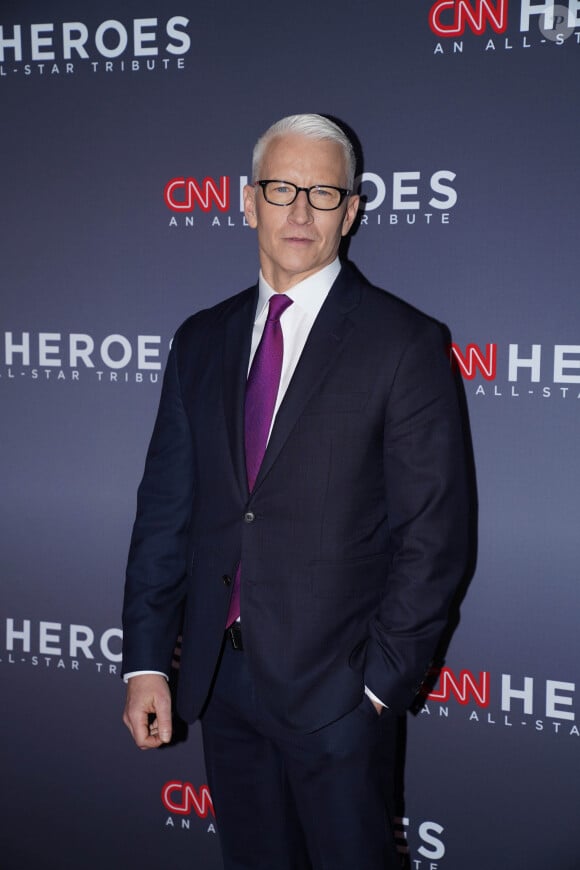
(428, 508)
(156, 570)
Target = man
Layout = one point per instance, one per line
(304, 488)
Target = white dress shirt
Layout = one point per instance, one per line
(308, 297)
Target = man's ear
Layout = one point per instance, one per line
(250, 205)
(350, 213)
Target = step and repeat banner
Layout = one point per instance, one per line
(127, 130)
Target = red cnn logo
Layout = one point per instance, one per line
(181, 797)
(474, 360)
(476, 15)
(464, 688)
(182, 194)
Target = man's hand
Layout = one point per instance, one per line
(148, 694)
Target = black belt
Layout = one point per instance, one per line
(234, 634)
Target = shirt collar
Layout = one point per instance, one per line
(308, 294)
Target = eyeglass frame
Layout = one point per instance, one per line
(344, 192)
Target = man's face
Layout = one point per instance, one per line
(296, 240)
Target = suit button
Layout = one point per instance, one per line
(249, 517)
(227, 580)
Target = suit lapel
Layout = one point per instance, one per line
(330, 329)
(237, 342)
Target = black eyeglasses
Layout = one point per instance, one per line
(321, 196)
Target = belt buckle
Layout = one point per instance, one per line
(235, 634)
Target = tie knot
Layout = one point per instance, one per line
(278, 305)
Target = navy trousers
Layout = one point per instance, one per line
(290, 801)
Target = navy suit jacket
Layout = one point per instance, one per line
(354, 538)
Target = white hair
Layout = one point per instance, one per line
(312, 126)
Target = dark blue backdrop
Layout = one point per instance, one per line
(471, 174)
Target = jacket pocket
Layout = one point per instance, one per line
(364, 577)
(337, 403)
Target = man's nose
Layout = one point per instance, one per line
(300, 211)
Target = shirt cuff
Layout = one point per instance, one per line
(374, 698)
(127, 677)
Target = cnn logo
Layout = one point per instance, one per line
(182, 797)
(451, 17)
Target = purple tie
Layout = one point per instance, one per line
(261, 395)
